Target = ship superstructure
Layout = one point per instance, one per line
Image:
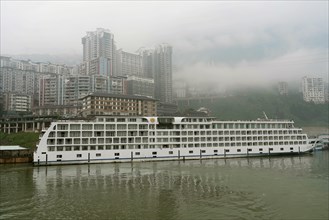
(124, 139)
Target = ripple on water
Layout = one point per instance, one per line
(210, 189)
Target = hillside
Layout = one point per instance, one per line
(249, 104)
(23, 139)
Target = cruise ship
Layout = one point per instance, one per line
(128, 139)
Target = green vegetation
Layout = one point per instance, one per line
(249, 104)
(24, 139)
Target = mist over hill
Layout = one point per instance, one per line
(250, 103)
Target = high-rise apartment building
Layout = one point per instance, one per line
(118, 85)
(19, 81)
(140, 86)
(51, 90)
(157, 64)
(78, 86)
(283, 88)
(148, 67)
(100, 44)
(129, 64)
(326, 92)
(101, 58)
(17, 102)
(162, 71)
(313, 90)
(40, 67)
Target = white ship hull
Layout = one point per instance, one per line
(149, 139)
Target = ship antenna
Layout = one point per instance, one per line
(265, 115)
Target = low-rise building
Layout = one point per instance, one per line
(117, 104)
(60, 110)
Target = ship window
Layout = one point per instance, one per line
(86, 127)
(98, 155)
(171, 152)
(238, 150)
(191, 151)
(260, 149)
(116, 154)
(249, 149)
(271, 149)
(79, 155)
(281, 148)
(154, 152)
(291, 148)
(62, 127)
(137, 153)
(92, 147)
(100, 148)
(99, 126)
(215, 151)
(226, 150)
(75, 127)
(59, 156)
(84, 147)
(76, 148)
(203, 151)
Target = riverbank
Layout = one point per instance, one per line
(23, 139)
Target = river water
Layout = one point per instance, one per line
(245, 188)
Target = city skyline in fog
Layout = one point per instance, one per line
(214, 41)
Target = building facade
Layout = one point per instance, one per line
(129, 64)
(140, 86)
(57, 110)
(283, 88)
(17, 102)
(313, 90)
(99, 45)
(51, 90)
(118, 85)
(158, 63)
(114, 104)
(38, 67)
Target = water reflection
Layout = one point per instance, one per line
(164, 189)
(241, 188)
(155, 173)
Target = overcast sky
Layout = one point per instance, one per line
(246, 41)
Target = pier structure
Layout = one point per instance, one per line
(25, 123)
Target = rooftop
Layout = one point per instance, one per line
(12, 147)
(119, 96)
